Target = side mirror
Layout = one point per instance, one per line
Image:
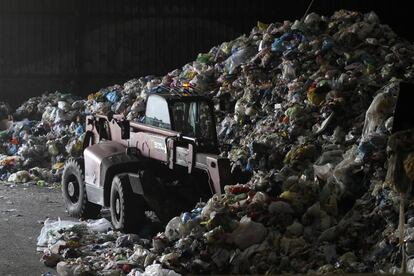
(125, 129)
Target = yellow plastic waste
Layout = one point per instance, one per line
(262, 26)
(289, 196)
(300, 153)
(58, 166)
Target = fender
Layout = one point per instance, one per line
(102, 162)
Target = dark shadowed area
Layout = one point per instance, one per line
(80, 46)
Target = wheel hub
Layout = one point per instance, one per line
(117, 206)
(71, 189)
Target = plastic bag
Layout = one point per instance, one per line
(50, 259)
(139, 255)
(20, 177)
(155, 270)
(330, 156)
(213, 205)
(52, 148)
(410, 266)
(64, 105)
(323, 171)
(101, 225)
(203, 82)
(79, 130)
(203, 58)
(112, 97)
(288, 71)
(379, 111)
(12, 149)
(49, 234)
(345, 170)
(172, 230)
(74, 147)
(294, 38)
(68, 269)
(242, 55)
(248, 233)
(63, 116)
(260, 198)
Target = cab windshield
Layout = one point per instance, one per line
(193, 119)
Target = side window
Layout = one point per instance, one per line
(157, 112)
(193, 119)
(104, 129)
(181, 118)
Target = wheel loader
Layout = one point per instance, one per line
(165, 164)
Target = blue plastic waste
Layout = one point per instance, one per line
(185, 217)
(195, 214)
(79, 130)
(327, 44)
(112, 97)
(249, 167)
(279, 45)
(12, 149)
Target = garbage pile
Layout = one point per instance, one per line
(306, 108)
(44, 132)
(85, 248)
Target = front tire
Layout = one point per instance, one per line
(74, 191)
(127, 209)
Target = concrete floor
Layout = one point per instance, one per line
(23, 208)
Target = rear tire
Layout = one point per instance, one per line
(74, 191)
(127, 208)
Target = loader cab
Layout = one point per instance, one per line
(192, 116)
